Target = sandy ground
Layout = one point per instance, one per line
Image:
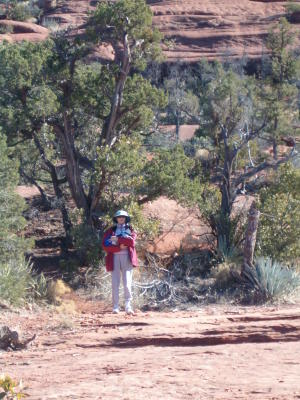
(213, 352)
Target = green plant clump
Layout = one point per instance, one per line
(272, 281)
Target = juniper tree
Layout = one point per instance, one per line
(12, 245)
(62, 114)
(278, 90)
(279, 229)
(67, 108)
(237, 113)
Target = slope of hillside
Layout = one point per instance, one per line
(196, 28)
(214, 28)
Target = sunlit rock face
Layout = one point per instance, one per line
(196, 29)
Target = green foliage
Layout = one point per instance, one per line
(18, 284)
(41, 86)
(131, 19)
(227, 254)
(279, 92)
(20, 10)
(292, 7)
(279, 230)
(16, 280)
(87, 244)
(273, 281)
(237, 112)
(169, 173)
(10, 389)
(292, 10)
(5, 28)
(229, 100)
(24, 96)
(131, 178)
(209, 201)
(140, 99)
(147, 227)
(183, 104)
(11, 207)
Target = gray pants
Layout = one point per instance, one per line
(122, 264)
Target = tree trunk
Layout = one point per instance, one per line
(228, 196)
(30, 179)
(177, 125)
(250, 236)
(274, 141)
(63, 209)
(275, 153)
(72, 167)
(58, 192)
(108, 132)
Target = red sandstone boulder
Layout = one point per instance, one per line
(18, 31)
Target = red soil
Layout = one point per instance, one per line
(213, 352)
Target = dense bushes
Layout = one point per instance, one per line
(17, 283)
(87, 129)
(20, 10)
(279, 228)
(11, 208)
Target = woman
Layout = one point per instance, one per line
(119, 244)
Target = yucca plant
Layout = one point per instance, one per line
(227, 253)
(270, 280)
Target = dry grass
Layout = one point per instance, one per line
(56, 290)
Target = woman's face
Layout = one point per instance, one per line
(121, 220)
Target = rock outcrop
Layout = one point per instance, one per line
(18, 31)
(181, 227)
(196, 29)
(214, 28)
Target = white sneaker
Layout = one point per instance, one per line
(116, 310)
(129, 311)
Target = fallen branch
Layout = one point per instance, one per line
(10, 339)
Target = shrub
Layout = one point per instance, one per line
(20, 10)
(18, 284)
(87, 244)
(270, 280)
(11, 208)
(6, 29)
(9, 389)
(292, 7)
(223, 275)
(16, 280)
(279, 228)
(155, 284)
(51, 24)
(97, 283)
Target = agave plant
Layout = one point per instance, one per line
(271, 280)
(227, 253)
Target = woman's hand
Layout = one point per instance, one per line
(123, 246)
(114, 239)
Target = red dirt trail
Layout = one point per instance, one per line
(213, 352)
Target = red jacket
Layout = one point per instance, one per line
(110, 250)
